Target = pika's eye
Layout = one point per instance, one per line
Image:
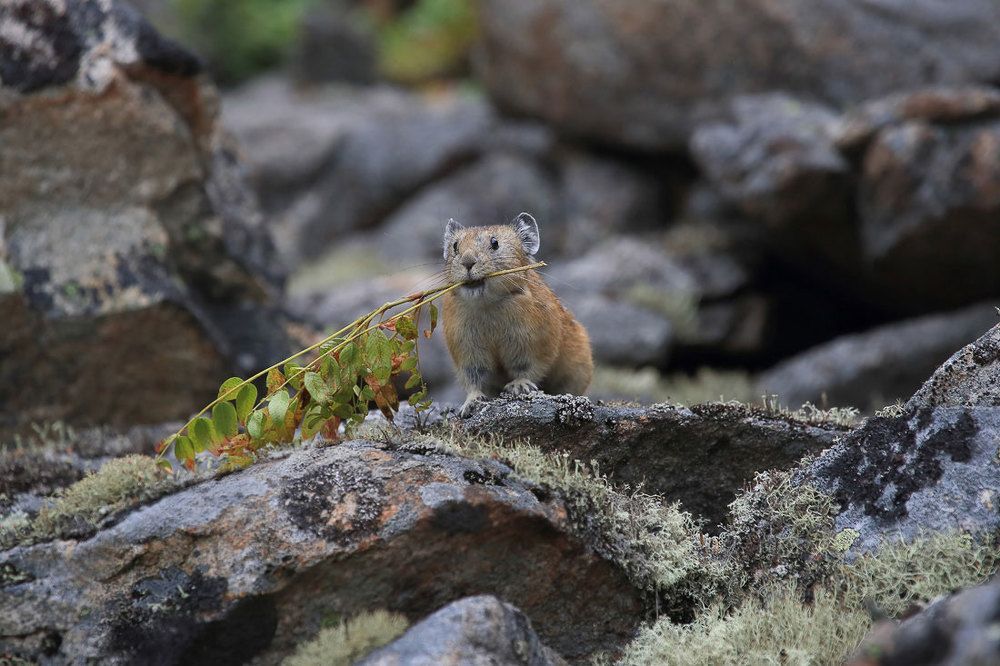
(494, 243)
(455, 247)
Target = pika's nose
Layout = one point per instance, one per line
(468, 262)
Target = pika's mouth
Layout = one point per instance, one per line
(474, 284)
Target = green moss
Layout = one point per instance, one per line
(345, 643)
(705, 385)
(429, 40)
(120, 483)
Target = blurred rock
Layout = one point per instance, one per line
(871, 369)
(475, 630)
(644, 74)
(959, 629)
(336, 530)
(125, 228)
(930, 210)
(622, 333)
(971, 377)
(493, 190)
(334, 45)
(699, 456)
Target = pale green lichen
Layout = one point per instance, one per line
(347, 642)
(679, 307)
(842, 417)
(120, 483)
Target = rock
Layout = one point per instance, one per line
(969, 378)
(930, 210)
(330, 160)
(777, 161)
(333, 531)
(475, 630)
(622, 333)
(928, 470)
(871, 369)
(602, 198)
(126, 233)
(643, 75)
(492, 190)
(334, 44)
(960, 629)
(699, 456)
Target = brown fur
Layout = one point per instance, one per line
(511, 332)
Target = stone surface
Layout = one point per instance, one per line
(622, 333)
(477, 630)
(699, 456)
(971, 377)
(126, 233)
(960, 629)
(877, 367)
(334, 43)
(928, 470)
(644, 74)
(335, 530)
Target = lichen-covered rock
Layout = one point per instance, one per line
(928, 470)
(960, 629)
(699, 456)
(127, 237)
(970, 378)
(643, 74)
(870, 369)
(246, 566)
(476, 630)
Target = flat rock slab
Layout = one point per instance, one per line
(246, 566)
(700, 456)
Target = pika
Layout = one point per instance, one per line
(510, 331)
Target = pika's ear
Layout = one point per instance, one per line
(450, 232)
(527, 230)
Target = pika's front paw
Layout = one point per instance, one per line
(468, 407)
(520, 387)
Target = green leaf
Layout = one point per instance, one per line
(203, 434)
(414, 381)
(255, 424)
(406, 327)
(367, 394)
(343, 411)
(245, 400)
(434, 317)
(409, 364)
(349, 354)
(226, 391)
(408, 346)
(278, 405)
(313, 420)
(293, 371)
(184, 449)
(224, 419)
(164, 464)
(317, 387)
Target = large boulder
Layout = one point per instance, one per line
(129, 247)
(643, 74)
(247, 566)
(476, 630)
(700, 456)
(970, 377)
(868, 370)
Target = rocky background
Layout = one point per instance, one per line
(750, 210)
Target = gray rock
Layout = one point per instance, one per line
(870, 369)
(643, 75)
(700, 456)
(616, 265)
(622, 333)
(970, 378)
(929, 470)
(959, 629)
(334, 530)
(335, 43)
(477, 631)
(331, 160)
(492, 190)
(128, 239)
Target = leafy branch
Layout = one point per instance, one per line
(355, 367)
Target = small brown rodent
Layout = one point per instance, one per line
(508, 332)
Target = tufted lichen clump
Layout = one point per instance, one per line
(345, 643)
